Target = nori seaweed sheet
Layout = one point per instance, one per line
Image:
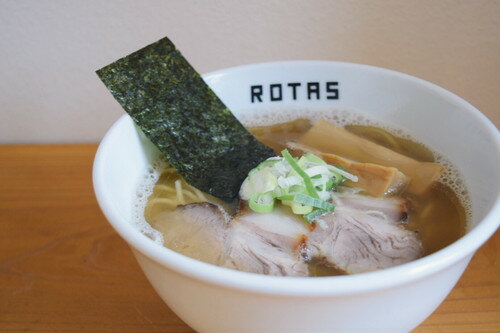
(182, 116)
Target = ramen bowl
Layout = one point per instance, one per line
(212, 299)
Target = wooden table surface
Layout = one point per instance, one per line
(63, 268)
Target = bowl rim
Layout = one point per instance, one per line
(462, 249)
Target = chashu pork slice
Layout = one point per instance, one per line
(267, 243)
(395, 209)
(251, 242)
(198, 230)
(364, 234)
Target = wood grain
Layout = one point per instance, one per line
(63, 269)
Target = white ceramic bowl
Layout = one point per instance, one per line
(217, 300)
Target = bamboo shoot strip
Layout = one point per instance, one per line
(184, 118)
(374, 179)
(328, 138)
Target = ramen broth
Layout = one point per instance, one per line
(438, 214)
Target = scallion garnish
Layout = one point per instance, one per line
(307, 180)
(303, 184)
(310, 217)
(261, 202)
(314, 202)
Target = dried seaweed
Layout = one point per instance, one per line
(184, 118)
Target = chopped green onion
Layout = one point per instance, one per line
(338, 166)
(320, 182)
(314, 159)
(310, 217)
(286, 182)
(262, 165)
(291, 192)
(337, 178)
(279, 192)
(325, 195)
(308, 201)
(251, 172)
(307, 180)
(286, 197)
(314, 202)
(317, 170)
(297, 189)
(304, 184)
(343, 173)
(262, 181)
(268, 162)
(301, 209)
(261, 203)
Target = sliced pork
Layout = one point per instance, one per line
(250, 242)
(395, 209)
(364, 234)
(267, 243)
(198, 230)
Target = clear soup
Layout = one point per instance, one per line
(438, 215)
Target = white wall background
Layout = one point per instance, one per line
(49, 49)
